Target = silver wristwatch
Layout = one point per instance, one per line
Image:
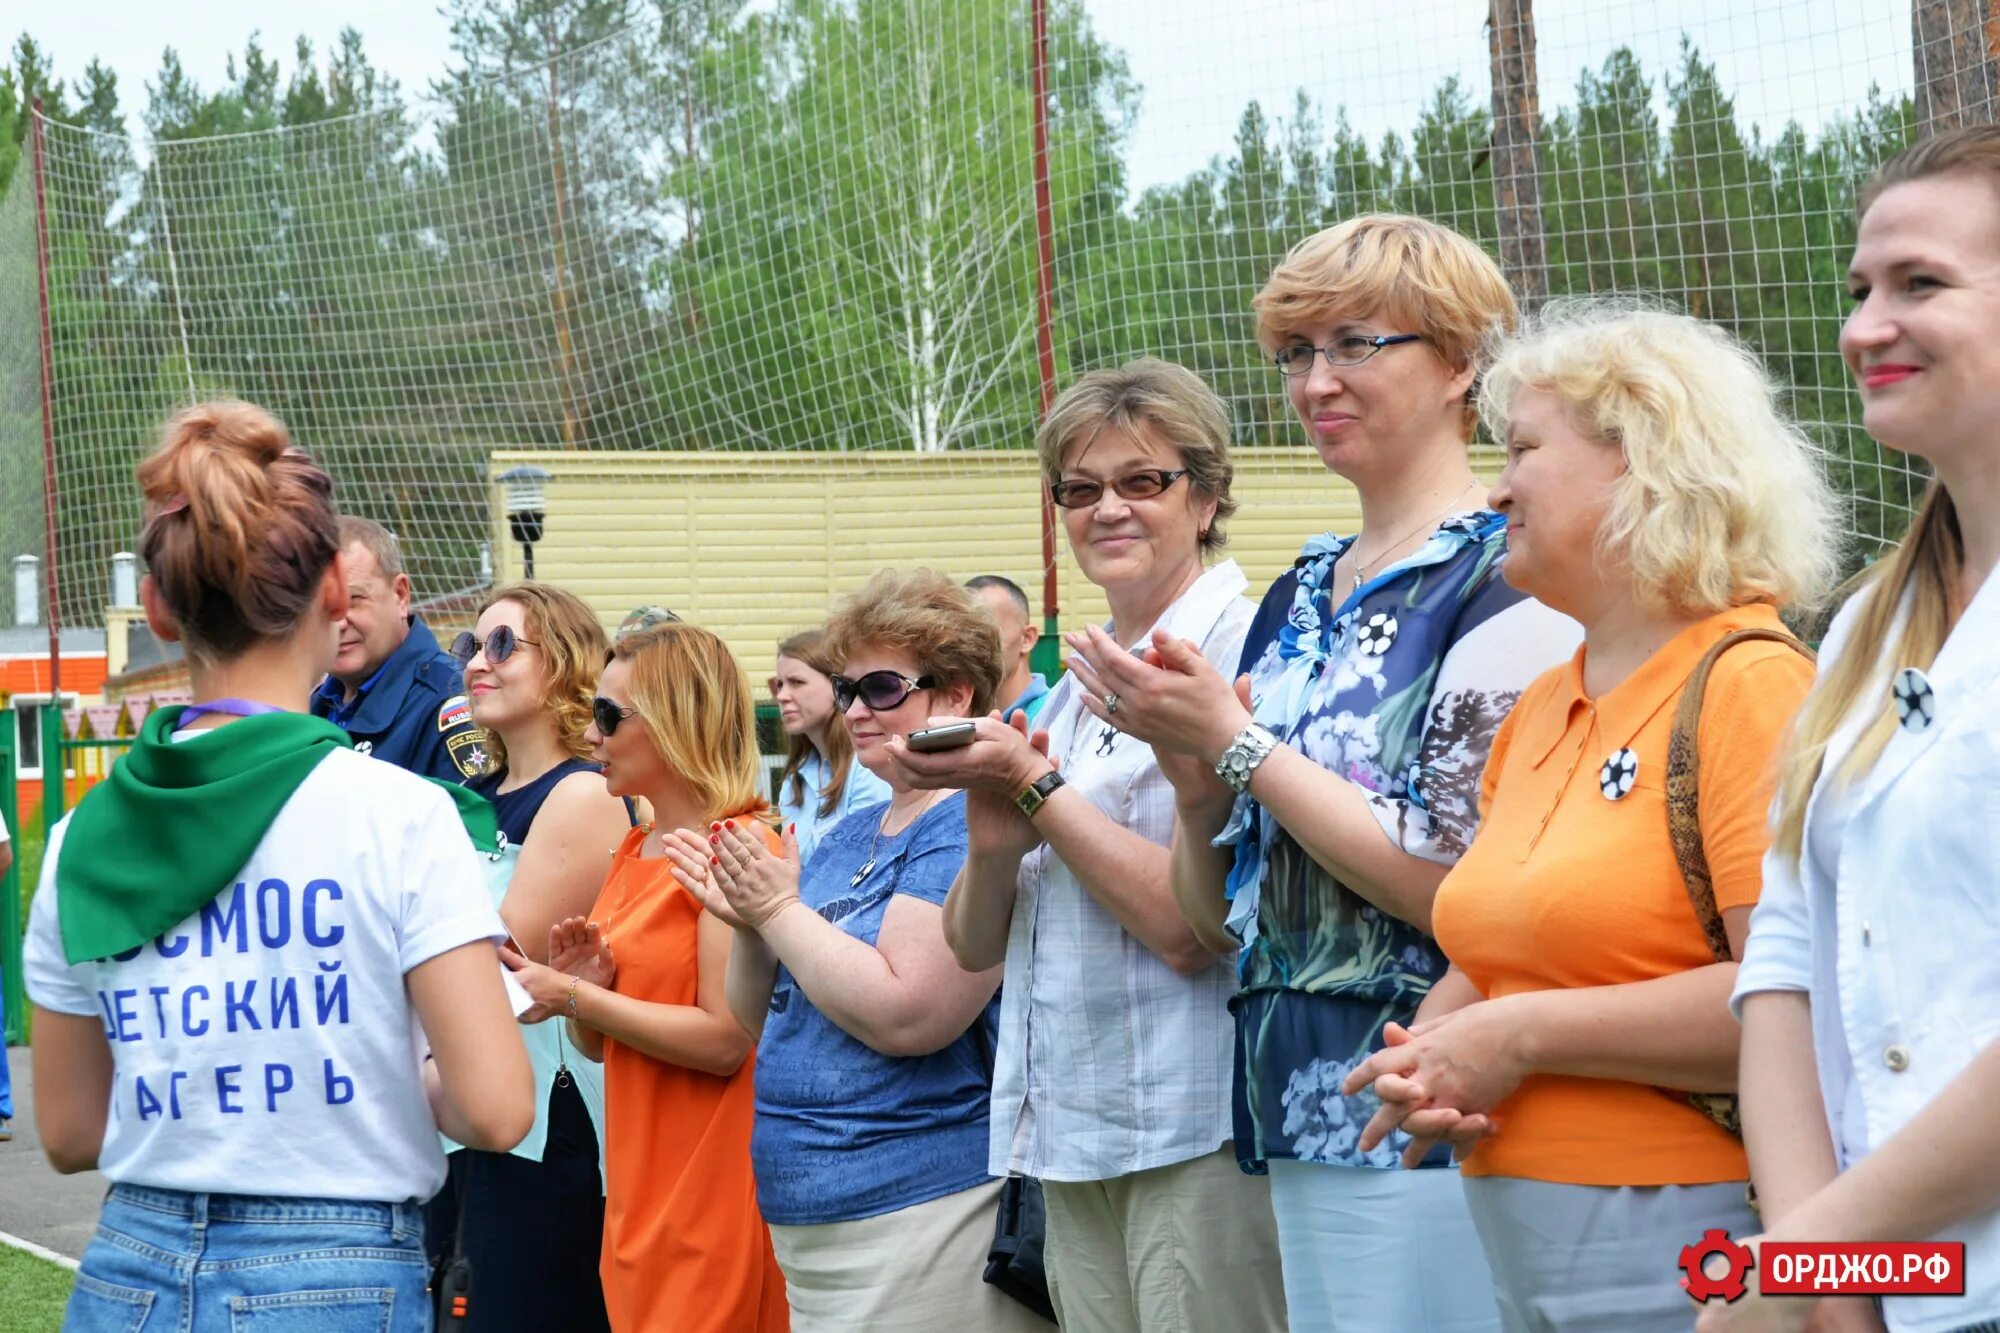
(1252, 746)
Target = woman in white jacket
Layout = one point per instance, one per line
(1870, 988)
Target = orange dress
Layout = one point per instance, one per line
(685, 1249)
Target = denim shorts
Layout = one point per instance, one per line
(166, 1261)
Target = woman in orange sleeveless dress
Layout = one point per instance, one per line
(641, 988)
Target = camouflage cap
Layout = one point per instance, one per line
(644, 618)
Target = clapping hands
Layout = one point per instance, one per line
(734, 873)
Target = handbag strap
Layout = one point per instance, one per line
(1684, 785)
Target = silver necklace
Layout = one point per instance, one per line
(868, 866)
(1361, 566)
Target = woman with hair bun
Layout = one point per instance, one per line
(245, 937)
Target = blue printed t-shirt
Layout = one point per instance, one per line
(1399, 687)
(843, 1131)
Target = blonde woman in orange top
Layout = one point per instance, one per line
(1654, 492)
(685, 1249)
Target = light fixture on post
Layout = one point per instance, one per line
(527, 507)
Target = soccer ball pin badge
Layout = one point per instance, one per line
(1615, 778)
(1916, 702)
(1377, 633)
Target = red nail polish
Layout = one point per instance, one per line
(729, 823)
(713, 827)
(715, 860)
(714, 841)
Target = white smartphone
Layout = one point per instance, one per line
(948, 737)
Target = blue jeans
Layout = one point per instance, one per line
(233, 1263)
(6, 1079)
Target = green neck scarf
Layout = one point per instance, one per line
(173, 824)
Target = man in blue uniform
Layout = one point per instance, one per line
(399, 695)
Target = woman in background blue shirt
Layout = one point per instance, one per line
(822, 782)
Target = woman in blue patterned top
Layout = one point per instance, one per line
(1324, 797)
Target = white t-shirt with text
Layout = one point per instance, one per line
(266, 1044)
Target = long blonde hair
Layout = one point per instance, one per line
(695, 703)
(1923, 570)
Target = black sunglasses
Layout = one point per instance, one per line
(608, 715)
(498, 646)
(880, 690)
(1145, 485)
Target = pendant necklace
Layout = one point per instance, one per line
(868, 866)
(1360, 565)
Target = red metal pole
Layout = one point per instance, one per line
(40, 138)
(1045, 339)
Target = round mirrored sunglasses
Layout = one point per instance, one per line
(498, 646)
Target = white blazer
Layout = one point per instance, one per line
(1898, 941)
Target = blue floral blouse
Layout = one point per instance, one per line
(1399, 687)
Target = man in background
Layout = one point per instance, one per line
(1023, 687)
(399, 695)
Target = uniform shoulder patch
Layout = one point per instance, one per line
(454, 712)
(468, 752)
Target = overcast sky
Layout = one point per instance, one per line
(1199, 61)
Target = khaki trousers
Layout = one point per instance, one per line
(916, 1270)
(1188, 1248)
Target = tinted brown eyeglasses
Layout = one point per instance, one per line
(1082, 494)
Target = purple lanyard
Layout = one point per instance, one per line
(222, 708)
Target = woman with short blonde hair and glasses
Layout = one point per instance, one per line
(1330, 791)
(641, 986)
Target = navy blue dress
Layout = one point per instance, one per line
(533, 1230)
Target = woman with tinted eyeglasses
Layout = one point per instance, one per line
(874, 1044)
(640, 986)
(822, 781)
(533, 1224)
(1111, 1082)
(1333, 787)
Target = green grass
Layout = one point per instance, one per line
(28, 840)
(33, 1293)
(28, 847)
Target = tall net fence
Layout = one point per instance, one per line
(812, 225)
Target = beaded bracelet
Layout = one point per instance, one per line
(572, 996)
